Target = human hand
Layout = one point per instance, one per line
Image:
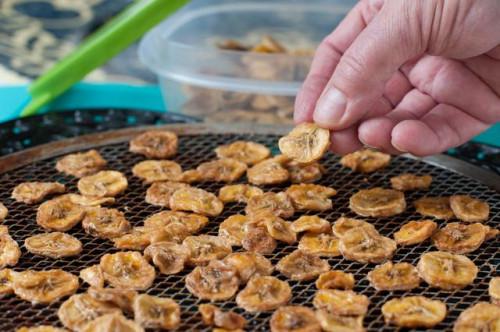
(407, 76)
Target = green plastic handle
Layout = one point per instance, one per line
(111, 39)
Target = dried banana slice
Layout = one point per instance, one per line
(222, 170)
(460, 238)
(155, 312)
(377, 202)
(112, 322)
(311, 224)
(80, 309)
(122, 298)
(469, 209)
(157, 170)
(249, 153)
(155, 144)
(365, 161)
(103, 184)
(59, 214)
(446, 271)
(231, 44)
(159, 193)
(294, 319)
(335, 280)
(326, 245)
(269, 171)
(40, 328)
(204, 248)
(232, 229)
(389, 276)
(192, 176)
(480, 317)
(264, 293)
(300, 265)
(35, 192)
(409, 182)
(168, 257)
(341, 302)
(437, 207)
(305, 143)
(343, 224)
(216, 281)
(196, 200)
(414, 311)
(44, 286)
(249, 264)
(493, 290)
(193, 222)
(491, 232)
(239, 193)
(213, 316)
(268, 45)
(89, 201)
(277, 228)
(365, 245)
(257, 239)
(93, 276)
(138, 238)
(127, 270)
(81, 163)
(105, 223)
(3, 212)
(54, 245)
(336, 323)
(6, 280)
(414, 232)
(311, 196)
(9, 249)
(304, 173)
(278, 204)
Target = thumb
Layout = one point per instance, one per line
(392, 38)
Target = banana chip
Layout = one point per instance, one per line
(81, 163)
(436, 207)
(168, 257)
(122, 298)
(276, 227)
(239, 193)
(93, 276)
(365, 161)
(9, 249)
(304, 173)
(414, 311)
(196, 200)
(480, 317)
(377, 202)
(336, 323)
(44, 286)
(155, 312)
(409, 182)
(460, 238)
(294, 319)
(105, 223)
(302, 266)
(343, 225)
(414, 232)
(103, 184)
(213, 316)
(155, 144)
(326, 245)
(493, 290)
(257, 239)
(232, 229)
(157, 170)
(389, 276)
(216, 281)
(204, 248)
(35, 192)
(264, 293)
(3, 212)
(269, 171)
(193, 222)
(341, 302)
(278, 204)
(112, 322)
(311, 224)
(159, 193)
(6, 280)
(138, 238)
(54, 245)
(127, 270)
(311, 197)
(446, 271)
(305, 143)
(89, 201)
(59, 214)
(469, 209)
(366, 245)
(249, 264)
(335, 280)
(249, 153)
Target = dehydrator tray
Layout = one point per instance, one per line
(196, 144)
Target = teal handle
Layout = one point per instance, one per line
(111, 39)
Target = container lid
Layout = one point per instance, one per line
(183, 47)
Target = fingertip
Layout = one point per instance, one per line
(345, 141)
(413, 136)
(376, 133)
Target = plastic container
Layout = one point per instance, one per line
(199, 78)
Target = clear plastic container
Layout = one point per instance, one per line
(199, 78)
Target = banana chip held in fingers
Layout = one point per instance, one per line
(306, 143)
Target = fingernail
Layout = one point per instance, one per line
(330, 108)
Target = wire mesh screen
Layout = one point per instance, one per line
(194, 150)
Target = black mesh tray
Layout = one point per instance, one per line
(196, 145)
